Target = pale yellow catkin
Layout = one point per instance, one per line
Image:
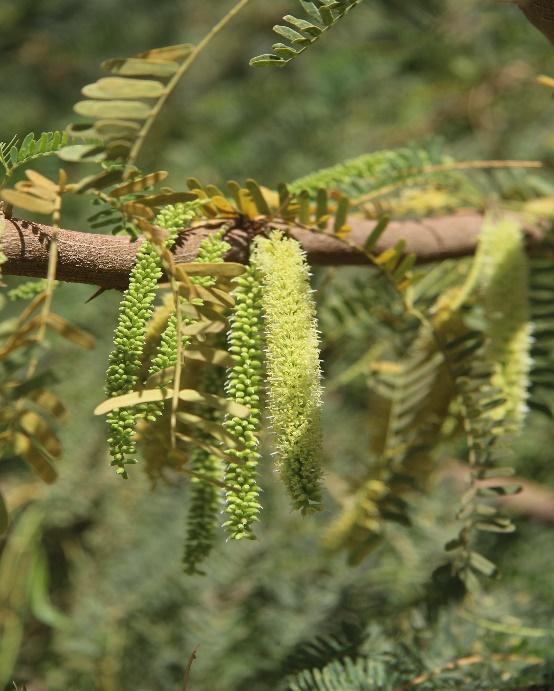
(293, 368)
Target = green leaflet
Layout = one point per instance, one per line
(418, 394)
(338, 675)
(244, 385)
(481, 406)
(502, 261)
(301, 33)
(120, 108)
(293, 370)
(371, 171)
(541, 298)
(14, 154)
(187, 395)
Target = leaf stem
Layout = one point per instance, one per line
(178, 361)
(51, 273)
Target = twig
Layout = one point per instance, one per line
(51, 272)
(186, 677)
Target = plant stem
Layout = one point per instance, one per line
(178, 362)
(51, 273)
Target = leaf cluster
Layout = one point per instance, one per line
(15, 154)
(302, 33)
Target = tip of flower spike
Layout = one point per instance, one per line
(243, 536)
(292, 356)
(238, 532)
(312, 506)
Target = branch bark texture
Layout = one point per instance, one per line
(105, 260)
(541, 14)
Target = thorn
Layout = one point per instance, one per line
(96, 294)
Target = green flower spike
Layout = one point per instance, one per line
(178, 216)
(134, 311)
(203, 513)
(28, 290)
(125, 359)
(205, 496)
(293, 369)
(244, 384)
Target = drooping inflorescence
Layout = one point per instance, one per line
(177, 216)
(244, 384)
(293, 369)
(205, 494)
(126, 357)
(504, 280)
(205, 501)
(273, 294)
(134, 312)
(28, 290)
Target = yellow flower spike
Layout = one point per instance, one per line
(504, 281)
(293, 368)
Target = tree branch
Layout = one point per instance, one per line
(106, 260)
(541, 14)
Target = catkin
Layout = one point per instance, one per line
(125, 359)
(244, 385)
(504, 281)
(204, 502)
(293, 368)
(205, 495)
(135, 310)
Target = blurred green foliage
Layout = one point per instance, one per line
(391, 73)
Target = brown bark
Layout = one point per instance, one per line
(541, 14)
(534, 501)
(105, 260)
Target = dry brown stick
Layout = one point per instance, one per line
(535, 501)
(186, 676)
(106, 261)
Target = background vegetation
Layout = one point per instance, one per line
(110, 607)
